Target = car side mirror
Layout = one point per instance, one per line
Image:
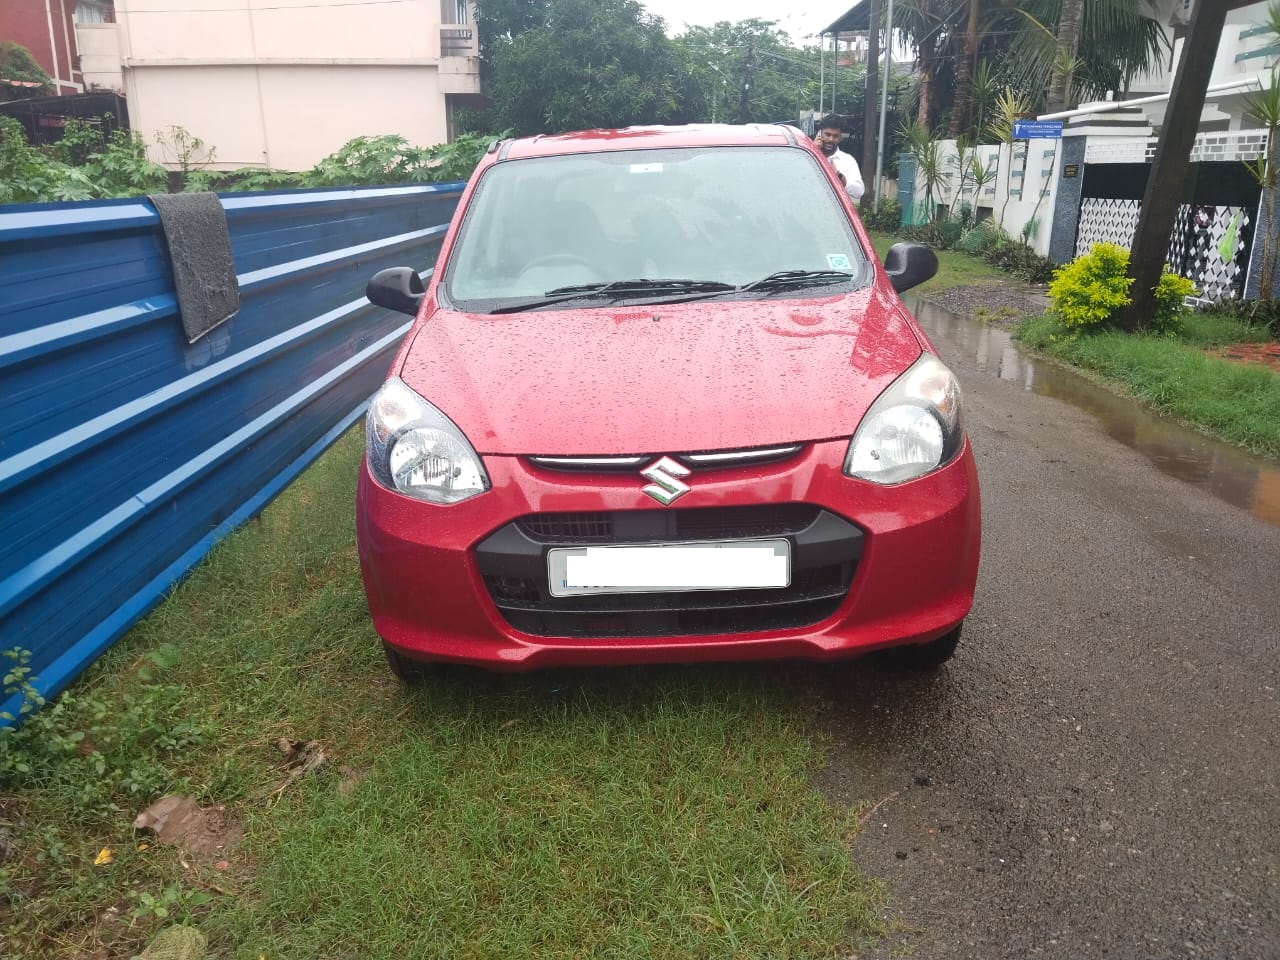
(909, 265)
(397, 288)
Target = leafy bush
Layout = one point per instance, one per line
(86, 165)
(886, 216)
(17, 63)
(1088, 292)
(980, 238)
(985, 240)
(28, 175)
(1019, 260)
(949, 233)
(1171, 294)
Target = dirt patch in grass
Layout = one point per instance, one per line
(1251, 354)
(999, 302)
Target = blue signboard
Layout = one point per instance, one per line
(1037, 129)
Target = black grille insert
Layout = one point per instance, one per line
(656, 526)
(825, 550)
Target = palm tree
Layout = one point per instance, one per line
(962, 106)
(1069, 21)
(1089, 47)
(922, 29)
(1112, 44)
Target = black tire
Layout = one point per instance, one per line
(924, 657)
(407, 670)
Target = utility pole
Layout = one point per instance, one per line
(869, 141)
(884, 86)
(746, 84)
(1150, 247)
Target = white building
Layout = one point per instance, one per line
(1246, 52)
(282, 83)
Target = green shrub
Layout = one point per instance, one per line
(939, 234)
(950, 232)
(980, 238)
(1171, 295)
(1019, 260)
(1089, 291)
(886, 216)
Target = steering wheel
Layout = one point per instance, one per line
(559, 260)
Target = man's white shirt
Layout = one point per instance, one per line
(848, 167)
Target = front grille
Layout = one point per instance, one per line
(656, 526)
(709, 460)
(825, 550)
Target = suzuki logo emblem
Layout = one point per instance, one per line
(665, 474)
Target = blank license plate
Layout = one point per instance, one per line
(669, 567)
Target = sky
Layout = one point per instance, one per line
(800, 18)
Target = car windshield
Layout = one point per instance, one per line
(706, 219)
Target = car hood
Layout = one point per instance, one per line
(709, 375)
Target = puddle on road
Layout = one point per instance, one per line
(1221, 469)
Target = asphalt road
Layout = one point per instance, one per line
(1095, 773)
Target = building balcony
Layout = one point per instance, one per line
(458, 40)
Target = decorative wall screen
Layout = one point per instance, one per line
(1209, 244)
(1212, 237)
(1208, 247)
(1105, 220)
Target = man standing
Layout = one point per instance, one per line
(830, 133)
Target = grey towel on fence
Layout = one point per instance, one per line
(204, 274)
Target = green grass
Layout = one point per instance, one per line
(954, 267)
(1206, 329)
(664, 812)
(1230, 400)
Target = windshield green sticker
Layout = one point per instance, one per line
(838, 261)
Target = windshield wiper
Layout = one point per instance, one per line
(644, 285)
(616, 290)
(797, 278)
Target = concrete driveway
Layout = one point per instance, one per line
(1095, 773)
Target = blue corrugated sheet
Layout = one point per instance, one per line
(125, 451)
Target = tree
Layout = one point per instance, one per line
(755, 57)
(577, 64)
(1030, 47)
(1068, 43)
(962, 107)
(1172, 160)
(17, 64)
(916, 24)
(1114, 44)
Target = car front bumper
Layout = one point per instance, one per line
(872, 566)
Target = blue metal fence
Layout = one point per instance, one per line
(127, 452)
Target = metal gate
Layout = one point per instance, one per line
(907, 187)
(1212, 236)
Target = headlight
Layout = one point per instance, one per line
(912, 428)
(414, 448)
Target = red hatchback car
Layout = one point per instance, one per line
(661, 402)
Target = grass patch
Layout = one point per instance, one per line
(1236, 402)
(664, 812)
(954, 267)
(1206, 329)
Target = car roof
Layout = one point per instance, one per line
(652, 138)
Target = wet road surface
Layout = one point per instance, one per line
(1095, 773)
